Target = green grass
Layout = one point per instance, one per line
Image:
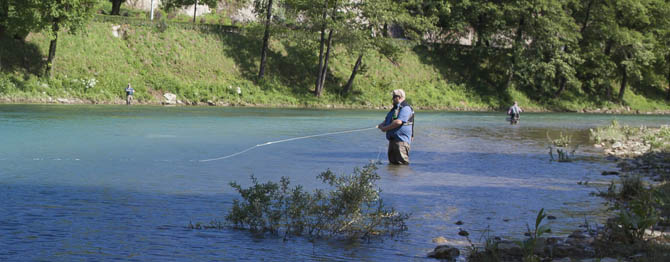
(201, 65)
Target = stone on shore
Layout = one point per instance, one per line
(444, 252)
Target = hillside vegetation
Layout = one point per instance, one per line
(214, 67)
(201, 66)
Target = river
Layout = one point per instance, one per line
(102, 183)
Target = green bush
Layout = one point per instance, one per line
(353, 207)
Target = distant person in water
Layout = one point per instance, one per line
(513, 113)
(129, 94)
(399, 125)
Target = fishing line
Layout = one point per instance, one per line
(286, 140)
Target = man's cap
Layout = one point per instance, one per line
(398, 92)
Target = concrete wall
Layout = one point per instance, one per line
(146, 5)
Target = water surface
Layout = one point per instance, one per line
(100, 183)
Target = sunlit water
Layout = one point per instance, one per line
(99, 183)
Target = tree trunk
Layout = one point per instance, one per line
(195, 9)
(116, 7)
(515, 49)
(624, 80)
(561, 87)
(607, 86)
(350, 83)
(266, 39)
(321, 44)
(586, 17)
(4, 13)
(668, 76)
(52, 50)
(324, 70)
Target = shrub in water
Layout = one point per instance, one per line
(352, 208)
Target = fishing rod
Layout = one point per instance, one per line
(286, 140)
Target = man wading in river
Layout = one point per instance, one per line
(514, 112)
(399, 128)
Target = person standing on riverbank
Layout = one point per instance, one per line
(514, 111)
(129, 94)
(399, 128)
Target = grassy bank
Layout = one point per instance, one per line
(202, 67)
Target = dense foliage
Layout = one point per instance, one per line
(552, 52)
(353, 208)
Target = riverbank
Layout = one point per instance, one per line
(119, 101)
(219, 68)
(639, 229)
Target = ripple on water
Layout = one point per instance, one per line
(119, 183)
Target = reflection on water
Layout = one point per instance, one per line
(122, 183)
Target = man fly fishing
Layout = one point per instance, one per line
(399, 128)
(514, 111)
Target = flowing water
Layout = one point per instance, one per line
(101, 183)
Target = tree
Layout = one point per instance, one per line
(174, 4)
(322, 70)
(4, 13)
(367, 24)
(56, 15)
(116, 6)
(546, 61)
(617, 42)
(17, 18)
(266, 39)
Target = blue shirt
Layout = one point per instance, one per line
(130, 91)
(404, 132)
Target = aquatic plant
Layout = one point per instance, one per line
(659, 140)
(612, 133)
(528, 245)
(352, 208)
(488, 253)
(637, 209)
(563, 147)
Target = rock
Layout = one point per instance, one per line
(444, 252)
(170, 98)
(462, 232)
(63, 100)
(610, 173)
(604, 259)
(550, 217)
(578, 234)
(563, 250)
(459, 222)
(579, 238)
(115, 30)
(553, 240)
(612, 158)
(210, 103)
(617, 145)
(440, 240)
(509, 249)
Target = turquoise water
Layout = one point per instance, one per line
(99, 183)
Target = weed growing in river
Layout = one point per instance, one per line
(488, 253)
(528, 245)
(563, 147)
(637, 208)
(352, 209)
